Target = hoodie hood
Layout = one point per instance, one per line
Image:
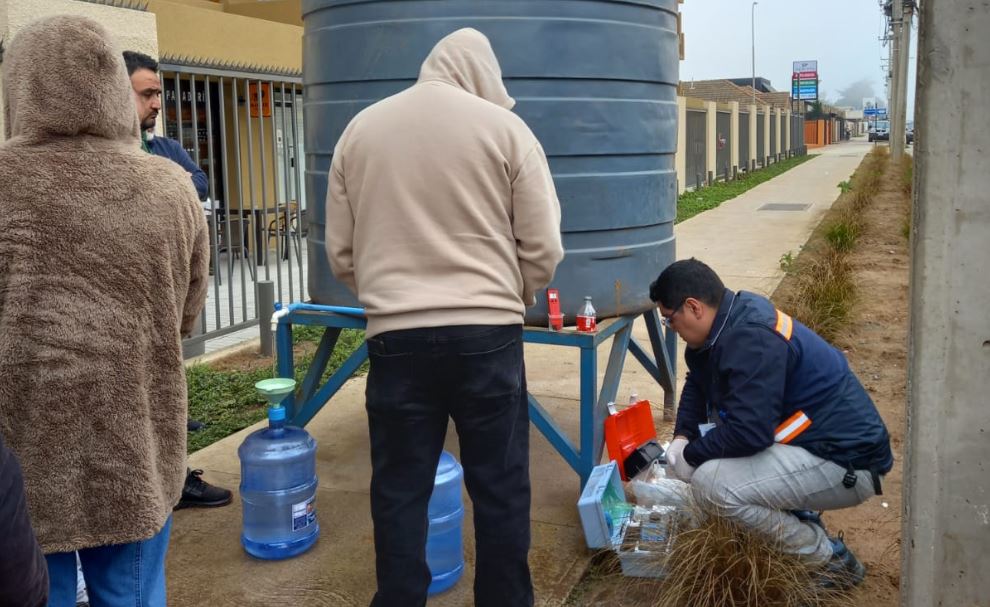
(466, 60)
(64, 77)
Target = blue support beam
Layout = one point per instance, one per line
(311, 407)
(545, 423)
(286, 365)
(664, 355)
(323, 353)
(589, 401)
(311, 397)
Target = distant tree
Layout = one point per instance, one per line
(816, 112)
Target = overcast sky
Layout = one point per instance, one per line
(841, 34)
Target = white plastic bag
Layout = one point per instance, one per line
(651, 487)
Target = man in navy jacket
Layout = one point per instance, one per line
(772, 423)
(143, 71)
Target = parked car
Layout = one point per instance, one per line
(880, 131)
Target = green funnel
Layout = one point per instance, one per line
(275, 389)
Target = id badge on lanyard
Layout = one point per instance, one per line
(705, 428)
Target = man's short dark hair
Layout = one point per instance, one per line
(139, 61)
(687, 278)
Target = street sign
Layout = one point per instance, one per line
(804, 80)
(879, 112)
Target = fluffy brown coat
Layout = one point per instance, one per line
(103, 262)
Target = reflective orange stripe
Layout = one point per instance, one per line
(785, 325)
(790, 429)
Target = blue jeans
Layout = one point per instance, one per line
(122, 575)
(420, 378)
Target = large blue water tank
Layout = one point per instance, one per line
(595, 80)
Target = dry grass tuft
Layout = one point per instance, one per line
(825, 294)
(721, 564)
(907, 173)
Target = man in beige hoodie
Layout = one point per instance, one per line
(443, 219)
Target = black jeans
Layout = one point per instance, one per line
(418, 378)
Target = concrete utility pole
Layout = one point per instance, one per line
(946, 533)
(892, 70)
(901, 25)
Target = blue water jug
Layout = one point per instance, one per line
(444, 543)
(278, 489)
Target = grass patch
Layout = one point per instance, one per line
(690, 204)
(842, 234)
(225, 400)
(819, 285)
(787, 261)
(824, 294)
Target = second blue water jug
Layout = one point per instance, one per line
(444, 544)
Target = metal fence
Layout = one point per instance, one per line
(244, 131)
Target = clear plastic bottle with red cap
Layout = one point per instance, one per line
(586, 318)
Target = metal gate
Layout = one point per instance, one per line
(723, 144)
(695, 148)
(244, 130)
(744, 140)
(797, 134)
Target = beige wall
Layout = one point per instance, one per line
(734, 134)
(680, 158)
(208, 35)
(131, 29)
(283, 11)
(213, 5)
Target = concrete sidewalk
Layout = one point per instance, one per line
(206, 565)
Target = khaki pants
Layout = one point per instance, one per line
(760, 490)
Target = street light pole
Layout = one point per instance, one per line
(752, 21)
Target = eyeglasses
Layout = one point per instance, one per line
(668, 320)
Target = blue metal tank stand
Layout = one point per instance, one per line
(658, 362)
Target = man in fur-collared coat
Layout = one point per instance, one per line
(103, 266)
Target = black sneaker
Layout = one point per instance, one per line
(843, 570)
(193, 425)
(198, 493)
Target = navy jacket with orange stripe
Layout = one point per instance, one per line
(763, 377)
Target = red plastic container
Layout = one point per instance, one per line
(627, 430)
